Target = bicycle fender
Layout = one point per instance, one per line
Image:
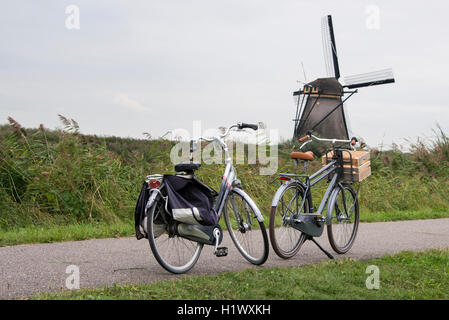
(152, 198)
(330, 205)
(281, 189)
(242, 193)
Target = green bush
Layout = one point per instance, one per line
(71, 180)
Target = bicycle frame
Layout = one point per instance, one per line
(229, 182)
(310, 181)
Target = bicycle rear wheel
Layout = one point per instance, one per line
(173, 253)
(286, 240)
(345, 219)
(248, 234)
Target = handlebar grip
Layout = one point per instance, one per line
(248, 125)
(305, 138)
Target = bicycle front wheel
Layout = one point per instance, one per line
(345, 219)
(173, 253)
(248, 234)
(286, 240)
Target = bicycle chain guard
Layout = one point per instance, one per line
(310, 224)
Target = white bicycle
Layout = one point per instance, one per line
(177, 246)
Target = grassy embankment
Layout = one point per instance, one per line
(61, 185)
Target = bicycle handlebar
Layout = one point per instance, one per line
(242, 125)
(308, 138)
(239, 125)
(331, 140)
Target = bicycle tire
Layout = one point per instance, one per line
(340, 221)
(278, 234)
(165, 243)
(244, 227)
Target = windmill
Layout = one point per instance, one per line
(319, 107)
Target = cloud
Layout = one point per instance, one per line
(125, 101)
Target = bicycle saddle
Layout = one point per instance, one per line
(187, 166)
(302, 155)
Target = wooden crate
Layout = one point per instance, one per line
(361, 166)
(358, 173)
(358, 157)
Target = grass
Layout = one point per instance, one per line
(380, 216)
(57, 233)
(407, 275)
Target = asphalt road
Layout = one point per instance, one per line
(29, 269)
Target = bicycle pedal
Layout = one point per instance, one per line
(221, 252)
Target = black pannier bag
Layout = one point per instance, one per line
(190, 200)
(139, 213)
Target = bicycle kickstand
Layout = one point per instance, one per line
(321, 248)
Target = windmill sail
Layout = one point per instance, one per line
(369, 79)
(330, 48)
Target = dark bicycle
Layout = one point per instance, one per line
(292, 217)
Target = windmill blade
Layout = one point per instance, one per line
(369, 79)
(329, 47)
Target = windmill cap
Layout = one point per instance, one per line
(329, 86)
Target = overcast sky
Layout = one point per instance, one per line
(151, 66)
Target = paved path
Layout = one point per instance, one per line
(29, 269)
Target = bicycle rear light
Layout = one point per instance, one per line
(284, 179)
(154, 183)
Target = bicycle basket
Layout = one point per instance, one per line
(190, 200)
(356, 164)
